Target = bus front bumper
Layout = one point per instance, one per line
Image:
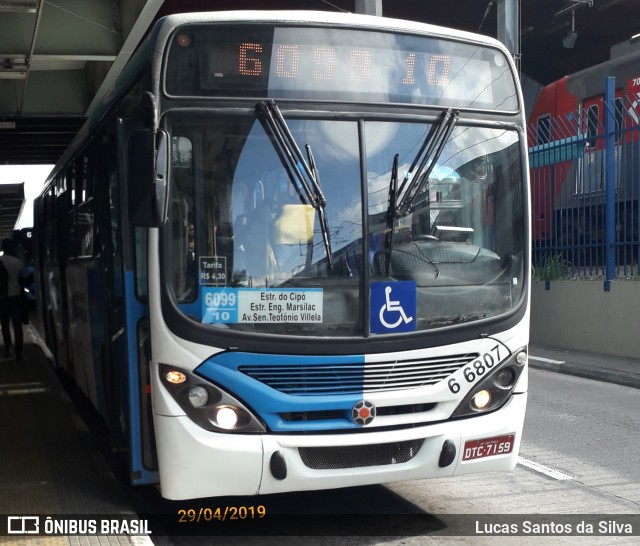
(196, 463)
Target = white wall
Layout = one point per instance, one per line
(581, 315)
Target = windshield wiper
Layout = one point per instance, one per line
(391, 211)
(401, 198)
(424, 162)
(304, 176)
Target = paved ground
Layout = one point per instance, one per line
(50, 464)
(611, 369)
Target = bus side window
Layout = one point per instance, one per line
(184, 238)
(85, 224)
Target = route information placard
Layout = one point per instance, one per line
(262, 305)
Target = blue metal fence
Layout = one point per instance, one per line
(585, 183)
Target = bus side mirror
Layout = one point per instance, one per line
(148, 168)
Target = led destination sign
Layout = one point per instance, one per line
(337, 64)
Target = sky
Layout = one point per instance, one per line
(34, 177)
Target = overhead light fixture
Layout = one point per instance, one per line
(570, 39)
(19, 6)
(13, 74)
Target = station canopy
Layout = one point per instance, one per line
(57, 55)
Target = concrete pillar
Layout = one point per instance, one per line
(369, 7)
(509, 27)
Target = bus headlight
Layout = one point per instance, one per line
(206, 404)
(225, 417)
(198, 396)
(494, 389)
(481, 399)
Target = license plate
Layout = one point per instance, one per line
(487, 447)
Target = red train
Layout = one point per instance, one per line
(568, 150)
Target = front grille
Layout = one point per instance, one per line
(349, 378)
(334, 458)
(312, 415)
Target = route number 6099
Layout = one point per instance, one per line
(477, 368)
(220, 299)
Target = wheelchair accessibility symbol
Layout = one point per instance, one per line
(393, 307)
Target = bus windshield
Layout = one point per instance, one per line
(246, 248)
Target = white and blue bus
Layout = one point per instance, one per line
(290, 251)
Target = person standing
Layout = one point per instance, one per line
(11, 302)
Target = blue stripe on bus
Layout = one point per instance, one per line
(135, 310)
(270, 404)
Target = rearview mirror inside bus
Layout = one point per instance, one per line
(147, 173)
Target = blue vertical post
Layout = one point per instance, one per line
(609, 173)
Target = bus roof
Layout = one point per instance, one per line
(329, 18)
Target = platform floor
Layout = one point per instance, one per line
(49, 464)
